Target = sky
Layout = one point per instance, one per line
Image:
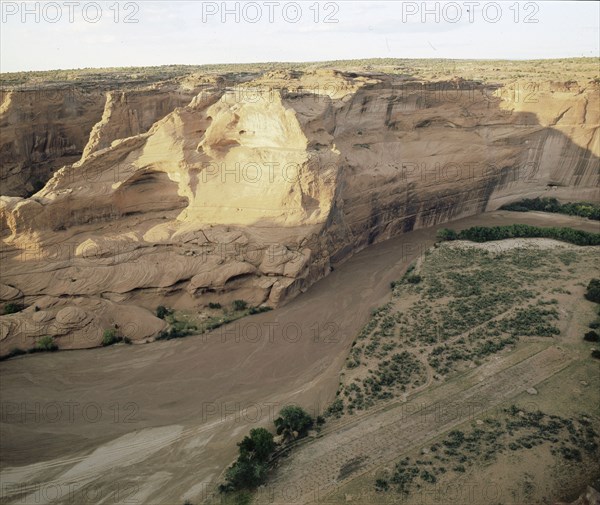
(79, 34)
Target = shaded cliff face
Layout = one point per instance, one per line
(255, 189)
(42, 130)
(47, 127)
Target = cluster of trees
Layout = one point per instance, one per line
(256, 450)
(486, 234)
(582, 209)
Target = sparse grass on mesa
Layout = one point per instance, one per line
(432, 69)
(464, 305)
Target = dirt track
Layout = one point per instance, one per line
(158, 423)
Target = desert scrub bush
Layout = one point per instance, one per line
(45, 344)
(401, 369)
(413, 279)
(239, 305)
(382, 485)
(13, 308)
(404, 475)
(212, 305)
(593, 291)
(259, 310)
(162, 312)
(531, 321)
(591, 336)
(179, 329)
(336, 409)
(110, 337)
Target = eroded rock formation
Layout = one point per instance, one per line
(217, 190)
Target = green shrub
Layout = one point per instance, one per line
(428, 476)
(259, 310)
(596, 354)
(239, 305)
(13, 308)
(446, 234)
(591, 336)
(593, 291)
(162, 311)
(381, 485)
(176, 331)
(212, 305)
(336, 409)
(109, 337)
(46, 344)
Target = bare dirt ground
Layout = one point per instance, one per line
(158, 423)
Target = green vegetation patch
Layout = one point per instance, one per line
(469, 303)
(486, 234)
(582, 209)
(514, 430)
(180, 326)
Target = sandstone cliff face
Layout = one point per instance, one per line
(129, 113)
(45, 128)
(253, 190)
(42, 129)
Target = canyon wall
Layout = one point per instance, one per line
(47, 127)
(222, 190)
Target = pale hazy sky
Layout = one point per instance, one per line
(76, 34)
